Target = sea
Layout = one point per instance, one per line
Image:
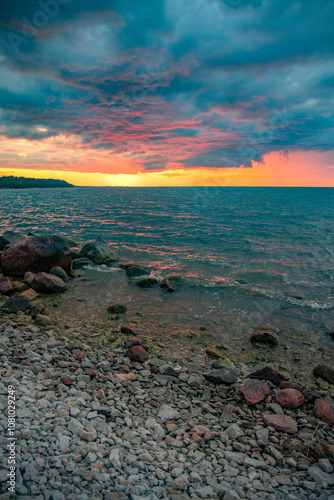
(236, 256)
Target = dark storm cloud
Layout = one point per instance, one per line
(217, 83)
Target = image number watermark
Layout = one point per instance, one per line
(11, 439)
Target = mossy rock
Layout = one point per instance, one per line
(226, 362)
(249, 358)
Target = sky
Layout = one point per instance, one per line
(168, 92)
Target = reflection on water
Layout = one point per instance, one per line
(245, 256)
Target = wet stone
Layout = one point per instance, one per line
(223, 376)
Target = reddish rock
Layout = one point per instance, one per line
(214, 353)
(99, 394)
(26, 362)
(80, 355)
(66, 381)
(5, 286)
(131, 377)
(289, 398)
(268, 373)
(290, 385)
(137, 353)
(324, 410)
(48, 283)
(154, 369)
(254, 391)
(36, 253)
(92, 373)
(325, 372)
(282, 423)
(265, 334)
(30, 294)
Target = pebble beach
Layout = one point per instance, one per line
(105, 412)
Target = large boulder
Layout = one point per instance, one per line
(98, 252)
(48, 283)
(36, 254)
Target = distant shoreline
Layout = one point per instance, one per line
(11, 182)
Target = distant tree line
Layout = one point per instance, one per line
(11, 182)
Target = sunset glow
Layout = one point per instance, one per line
(162, 94)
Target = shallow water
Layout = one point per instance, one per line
(242, 256)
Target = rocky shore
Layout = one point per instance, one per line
(122, 419)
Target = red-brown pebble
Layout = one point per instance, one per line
(282, 423)
(137, 353)
(66, 381)
(324, 410)
(289, 398)
(214, 353)
(254, 391)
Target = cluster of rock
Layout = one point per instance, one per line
(95, 424)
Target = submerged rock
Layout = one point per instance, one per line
(127, 330)
(166, 285)
(325, 372)
(48, 283)
(82, 262)
(146, 282)
(35, 254)
(98, 252)
(136, 271)
(265, 334)
(223, 376)
(117, 309)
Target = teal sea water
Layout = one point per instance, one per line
(239, 256)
